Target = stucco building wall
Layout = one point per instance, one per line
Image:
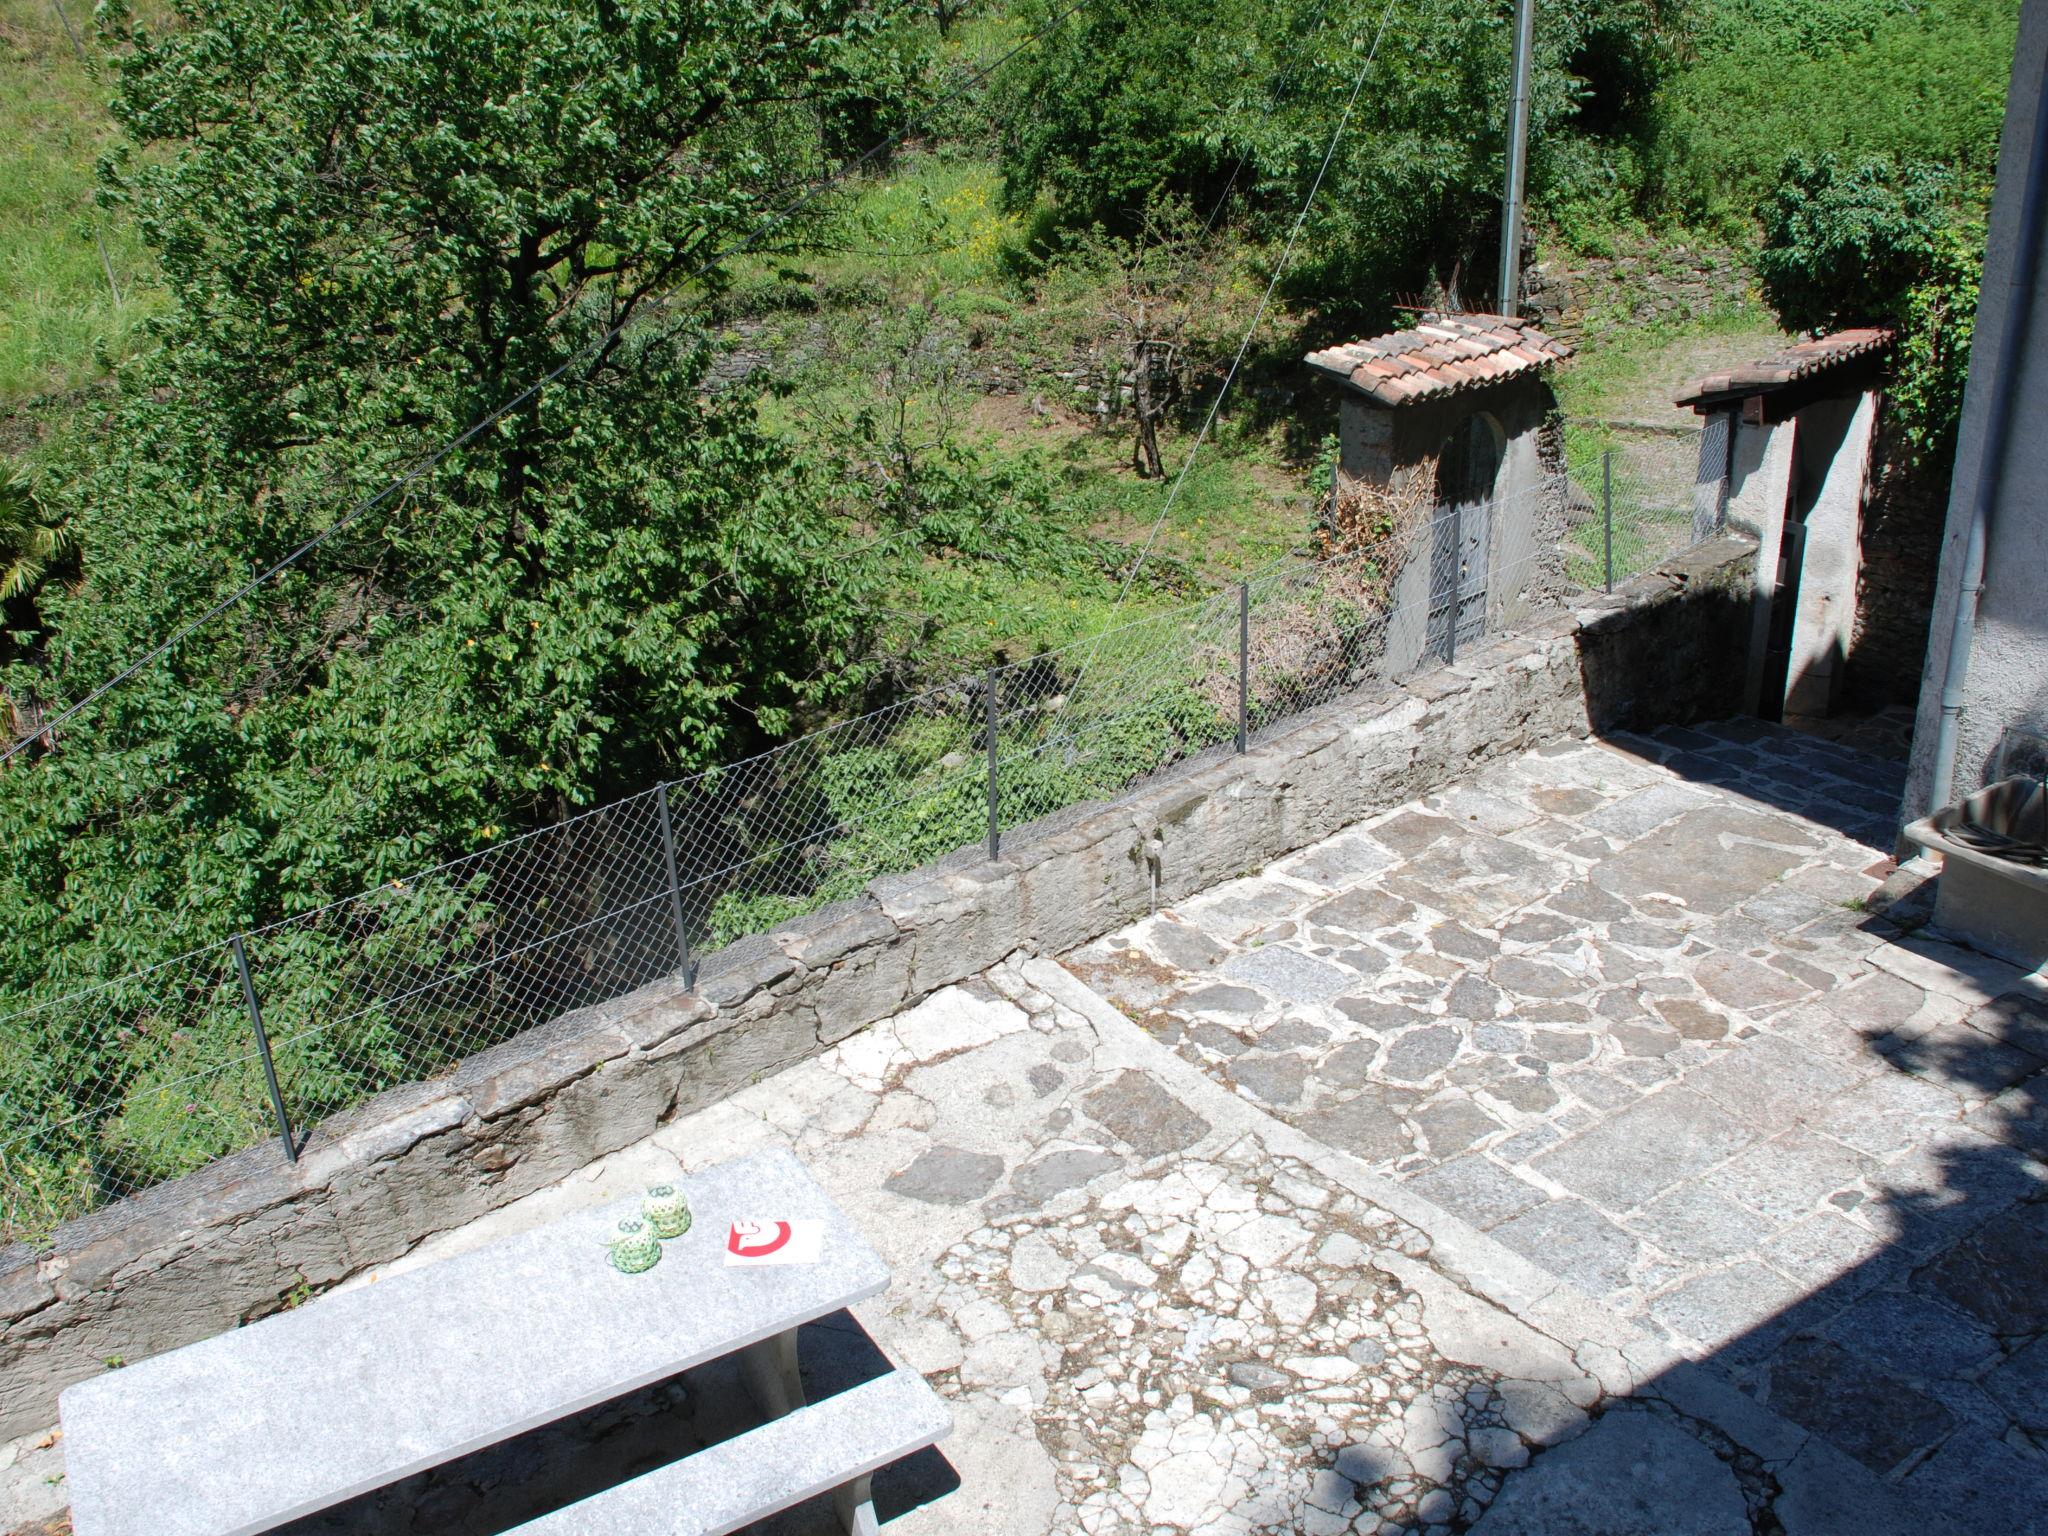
(2006, 688)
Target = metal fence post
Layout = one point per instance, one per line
(675, 886)
(1244, 660)
(1454, 520)
(284, 1121)
(1607, 509)
(994, 824)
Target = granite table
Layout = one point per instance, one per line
(304, 1410)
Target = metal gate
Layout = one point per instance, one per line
(1457, 578)
(1458, 537)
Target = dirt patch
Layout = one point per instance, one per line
(1645, 398)
(1015, 415)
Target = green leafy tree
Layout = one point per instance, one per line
(1899, 80)
(376, 224)
(1936, 323)
(1843, 244)
(1878, 243)
(1129, 99)
(31, 545)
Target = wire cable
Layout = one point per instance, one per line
(1286, 79)
(1244, 346)
(432, 460)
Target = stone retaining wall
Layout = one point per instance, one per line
(250, 1234)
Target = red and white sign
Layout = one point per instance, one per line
(774, 1241)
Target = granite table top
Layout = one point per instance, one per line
(304, 1410)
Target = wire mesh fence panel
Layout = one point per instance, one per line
(1632, 499)
(398, 983)
(1315, 631)
(1088, 720)
(813, 821)
(108, 1092)
(116, 1087)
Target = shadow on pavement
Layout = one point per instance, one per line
(1925, 1360)
(498, 1488)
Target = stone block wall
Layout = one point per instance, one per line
(1902, 527)
(246, 1236)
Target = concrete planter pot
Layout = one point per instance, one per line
(1993, 890)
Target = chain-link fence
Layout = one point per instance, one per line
(1631, 503)
(106, 1091)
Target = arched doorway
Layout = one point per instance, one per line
(1460, 535)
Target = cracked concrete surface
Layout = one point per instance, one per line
(1374, 1206)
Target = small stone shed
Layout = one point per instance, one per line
(1460, 399)
(1785, 453)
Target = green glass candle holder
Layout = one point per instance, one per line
(633, 1246)
(666, 1210)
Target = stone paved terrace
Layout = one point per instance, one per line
(1591, 1148)
(1627, 1008)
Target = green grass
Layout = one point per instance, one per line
(1644, 535)
(1225, 523)
(1629, 371)
(57, 310)
(1904, 79)
(932, 233)
(929, 228)
(1627, 374)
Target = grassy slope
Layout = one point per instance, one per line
(56, 308)
(1616, 398)
(932, 233)
(1908, 78)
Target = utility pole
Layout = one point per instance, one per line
(1509, 290)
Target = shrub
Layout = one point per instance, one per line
(1877, 243)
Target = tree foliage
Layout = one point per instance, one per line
(32, 545)
(1880, 243)
(1901, 80)
(1842, 245)
(376, 224)
(1129, 99)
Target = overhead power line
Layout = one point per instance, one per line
(1258, 318)
(426, 463)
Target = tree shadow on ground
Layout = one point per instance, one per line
(1774, 771)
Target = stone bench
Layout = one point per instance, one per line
(832, 1446)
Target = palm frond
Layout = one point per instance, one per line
(29, 545)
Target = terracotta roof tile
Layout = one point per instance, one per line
(1802, 360)
(1440, 355)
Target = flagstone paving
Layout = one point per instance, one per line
(1156, 1309)
(1628, 1007)
(1483, 1168)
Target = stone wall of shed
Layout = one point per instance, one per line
(1902, 526)
(242, 1238)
